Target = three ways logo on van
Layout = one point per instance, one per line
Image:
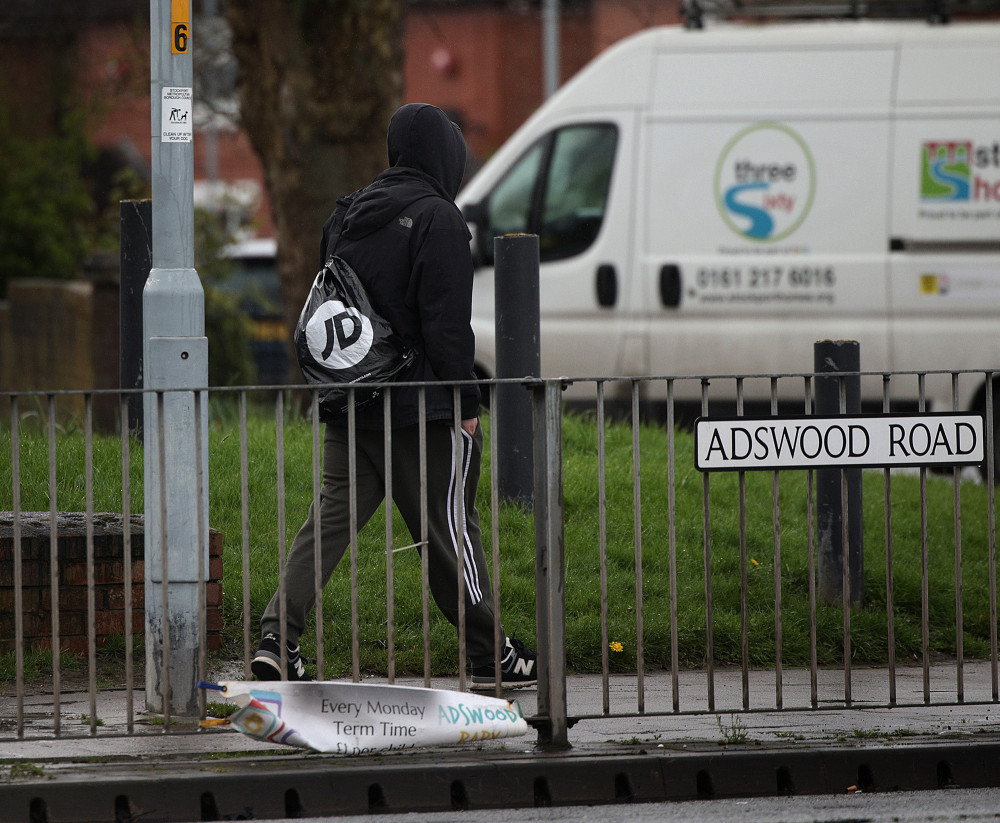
(765, 182)
(946, 171)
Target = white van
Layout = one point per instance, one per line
(715, 201)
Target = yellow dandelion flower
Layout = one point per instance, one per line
(615, 646)
(754, 562)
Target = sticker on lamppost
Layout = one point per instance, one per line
(177, 121)
(886, 441)
(362, 718)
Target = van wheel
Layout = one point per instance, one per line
(980, 407)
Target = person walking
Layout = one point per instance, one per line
(409, 244)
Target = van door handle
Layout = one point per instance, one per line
(607, 285)
(670, 285)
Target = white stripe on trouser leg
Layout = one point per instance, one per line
(471, 572)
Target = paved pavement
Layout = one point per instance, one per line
(632, 752)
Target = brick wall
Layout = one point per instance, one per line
(109, 587)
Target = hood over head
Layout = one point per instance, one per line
(422, 137)
(426, 157)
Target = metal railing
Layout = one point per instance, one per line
(753, 696)
(658, 542)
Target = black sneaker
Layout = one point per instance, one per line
(518, 667)
(266, 664)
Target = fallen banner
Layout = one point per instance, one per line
(361, 718)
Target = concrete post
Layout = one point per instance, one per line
(837, 487)
(175, 356)
(518, 355)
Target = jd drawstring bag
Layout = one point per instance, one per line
(340, 340)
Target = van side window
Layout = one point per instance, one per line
(510, 203)
(557, 190)
(576, 190)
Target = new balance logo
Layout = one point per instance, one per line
(524, 667)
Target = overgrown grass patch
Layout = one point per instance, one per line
(583, 528)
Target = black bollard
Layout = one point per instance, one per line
(136, 259)
(518, 354)
(834, 485)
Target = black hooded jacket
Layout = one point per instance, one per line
(409, 244)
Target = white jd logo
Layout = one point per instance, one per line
(335, 333)
(338, 336)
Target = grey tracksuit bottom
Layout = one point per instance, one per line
(443, 471)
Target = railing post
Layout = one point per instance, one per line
(550, 566)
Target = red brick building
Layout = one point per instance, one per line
(480, 60)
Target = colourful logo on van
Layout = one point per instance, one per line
(945, 170)
(765, 182)
(959, 171)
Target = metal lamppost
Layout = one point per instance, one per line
(175, 354)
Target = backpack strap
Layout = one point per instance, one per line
(337, 227)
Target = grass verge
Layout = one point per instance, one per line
(771, 563)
